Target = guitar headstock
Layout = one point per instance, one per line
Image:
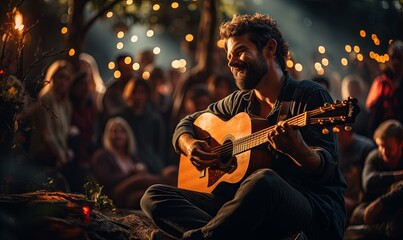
(338, 113)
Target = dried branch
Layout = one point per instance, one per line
(100, 13)
(45, 55)
(3, 50)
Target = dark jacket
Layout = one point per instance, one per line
(324, 188)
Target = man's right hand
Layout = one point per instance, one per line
(198, 151)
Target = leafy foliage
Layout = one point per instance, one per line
(93, 192)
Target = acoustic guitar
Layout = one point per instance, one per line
(237, 141)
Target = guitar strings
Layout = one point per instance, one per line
(251, 139)
(258, 137)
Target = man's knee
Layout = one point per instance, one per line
(150, 198)
(265, 176)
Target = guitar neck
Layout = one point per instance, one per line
(260, 137)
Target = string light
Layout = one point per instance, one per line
(150, 33)
(64, 30)
(299, 67)
(117, 74)
(109, 14)
(111, 65)
(189, 37)
(145, 75)
(128, 60)
(321, 49)
(119, 45)
(157, 50)
(289, 63)
(325, 62)
(134, 38)
(156, 7)
(136, 66)
(72, 52)
(120, 34)
(174, 5)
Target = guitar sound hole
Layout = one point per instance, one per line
(226, 151)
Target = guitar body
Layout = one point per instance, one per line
(240, 144)
(232, 169)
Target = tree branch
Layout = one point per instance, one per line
(46, 54)
(99, 14)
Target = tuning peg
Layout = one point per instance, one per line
(325, 131)
(348, 128)
(336, 129)
(337, 101)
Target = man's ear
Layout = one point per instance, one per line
(271, 47)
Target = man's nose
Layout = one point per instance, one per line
(232, 62)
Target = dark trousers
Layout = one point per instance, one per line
(264, 205)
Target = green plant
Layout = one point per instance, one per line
(93, 192)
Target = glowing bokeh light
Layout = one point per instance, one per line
(156, 7)
(119, 45)
(156, 50)
(19, 25)
(320, 71)
(174, 5)
(120, 34)
(146, 75)
(117, 74)
(325, 62)
(128, 60)
(64, 30)
(109, 14)
(134, 38)
(317, 66)
(290, 63)
(321, 49)
(136, 66)
(111, 65)
(189, 37)
(299, 67)
(150, 33)
(72, 52)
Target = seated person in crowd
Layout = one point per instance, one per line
(147, 124)
(50, 118)
(381, 177)
(118, 168)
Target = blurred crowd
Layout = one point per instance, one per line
(118, 130)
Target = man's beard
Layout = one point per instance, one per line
(253, 75)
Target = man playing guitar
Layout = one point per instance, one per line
(300, 191)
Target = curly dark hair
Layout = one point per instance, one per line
(260, 29)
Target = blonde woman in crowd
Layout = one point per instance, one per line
(119, 169)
